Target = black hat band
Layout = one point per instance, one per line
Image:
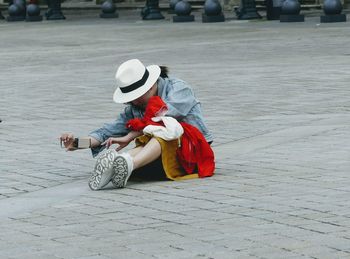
(137, 84)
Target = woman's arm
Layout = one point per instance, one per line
(122, 141)
(98, 136)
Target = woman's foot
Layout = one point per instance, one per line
(104, 170)
(123, 166)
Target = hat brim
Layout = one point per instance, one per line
(120, 97)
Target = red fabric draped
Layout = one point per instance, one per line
(195, 154)
(154, 108)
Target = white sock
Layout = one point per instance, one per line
(129, 160)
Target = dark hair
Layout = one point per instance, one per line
(164, 71)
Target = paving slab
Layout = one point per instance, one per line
(276, 97)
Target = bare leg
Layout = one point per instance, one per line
(146, 154)
(133, 152)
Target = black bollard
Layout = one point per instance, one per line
(151, 11)
(290, 11)
(273, 9)
(17, 11)
(247, 10)
(332, 10)
(1, 16)
(33, 13)
(54, 11)
(183, 12)
(172, 4)
(108, 10)
(14, 12)
(212, 12)
(49, 9)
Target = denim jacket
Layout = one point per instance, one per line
(181, 103)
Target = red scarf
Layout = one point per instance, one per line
(195, 154)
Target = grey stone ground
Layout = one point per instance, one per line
(276, 98)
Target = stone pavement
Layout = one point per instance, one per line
(277, 100)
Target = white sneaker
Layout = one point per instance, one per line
(123, 166)
(104, 170)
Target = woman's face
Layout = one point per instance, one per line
(142, 101)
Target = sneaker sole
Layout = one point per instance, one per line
(121, 175)
(103, 171)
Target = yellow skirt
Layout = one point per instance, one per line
(171, 166)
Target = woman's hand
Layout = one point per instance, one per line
(121, 141)
(68, 139)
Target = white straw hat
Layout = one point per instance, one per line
(134, 80)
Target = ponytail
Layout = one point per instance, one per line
(164, 71)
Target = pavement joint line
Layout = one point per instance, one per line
(42, 198)
(248, 145)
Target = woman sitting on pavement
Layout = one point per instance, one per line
(179, 148)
